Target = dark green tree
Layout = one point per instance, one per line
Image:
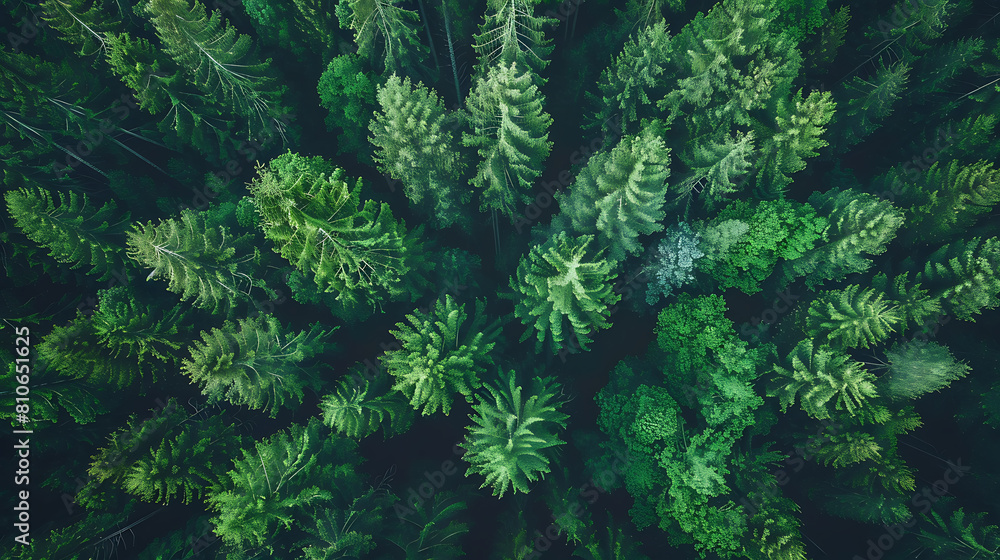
(348, 92)
(360, 404)
(257, 363)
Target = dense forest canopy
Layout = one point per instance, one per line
(500, 279)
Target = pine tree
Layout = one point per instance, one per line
(80, 22)
(384, 23)
(512, 34)
(964, 276)
(860, 224)
(848, 318)
(197, 260)
(914, 304)
(414, 144)
(73, 229)
(276, 484)
(185, 465)
(219, 62)
(951, 198)
(437, 524)
(634, 82)
(511, 439)
(313, 215)
(138, 330)
(441, 355)
(864, 104)
(819, 374)
(562, 281)
(719, 165)
(360, 404)
(915, 368)
(619, 195)
(799, 125)
(256, 363)
(950, 532)
(511, 131)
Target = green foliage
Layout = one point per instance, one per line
(860, 224)
(914, 304)
(865, 103)
(562, 285)
(949, 198)
(613, 544)
(256, 363)
(620, 195)
(673, 262)
(383, 23)
(348, 92)
(138, 331)
(510, 129)
(73, 229)
(817, 374)
(438, 357)
(829, 38)
(631, 85)
(512, 439)
(414, 144)
(219, 62)
(185, 465)
(275, 484)
(963, 275)
(688, 332)
(848, 318)
(361, 404)
(434, 525)
(348, 532)
(799, 124)
(197, 260)
(512, 34)
(80, 22)
(775, 230)
(950, 532)
(798, 18)
(916, 368)
(313, 215)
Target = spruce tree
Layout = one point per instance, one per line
(414, 144)
(563, 289)
(73, 229)
(819, 376)
(510, 129)
(256, 363)
(380, 26)
(851, 317)
(360, 405)
(965, 276)
(949, 198)
(512, 34)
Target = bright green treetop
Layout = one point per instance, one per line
(563, 287)
(512, 438)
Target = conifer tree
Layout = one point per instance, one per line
(914, 304)
(817, 375)
(512, 34)
(348, 92)
(949, 532)
(620, 195)
(197, 260)
(440, 355)
(277, 483)
(915, 368)
(949, 199)
(864, 103)
(219, 62)
(256, 363)
(859, 224)
(186, 464)
(414, 144)
(74, 229)
(850, 318)
(510, 129)
(313, 215)
(80, 22)
(511, 439)
(360, 404)
(382, 27)
(799, 125)
(965, 276)
(560, 285)
(437, 524)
